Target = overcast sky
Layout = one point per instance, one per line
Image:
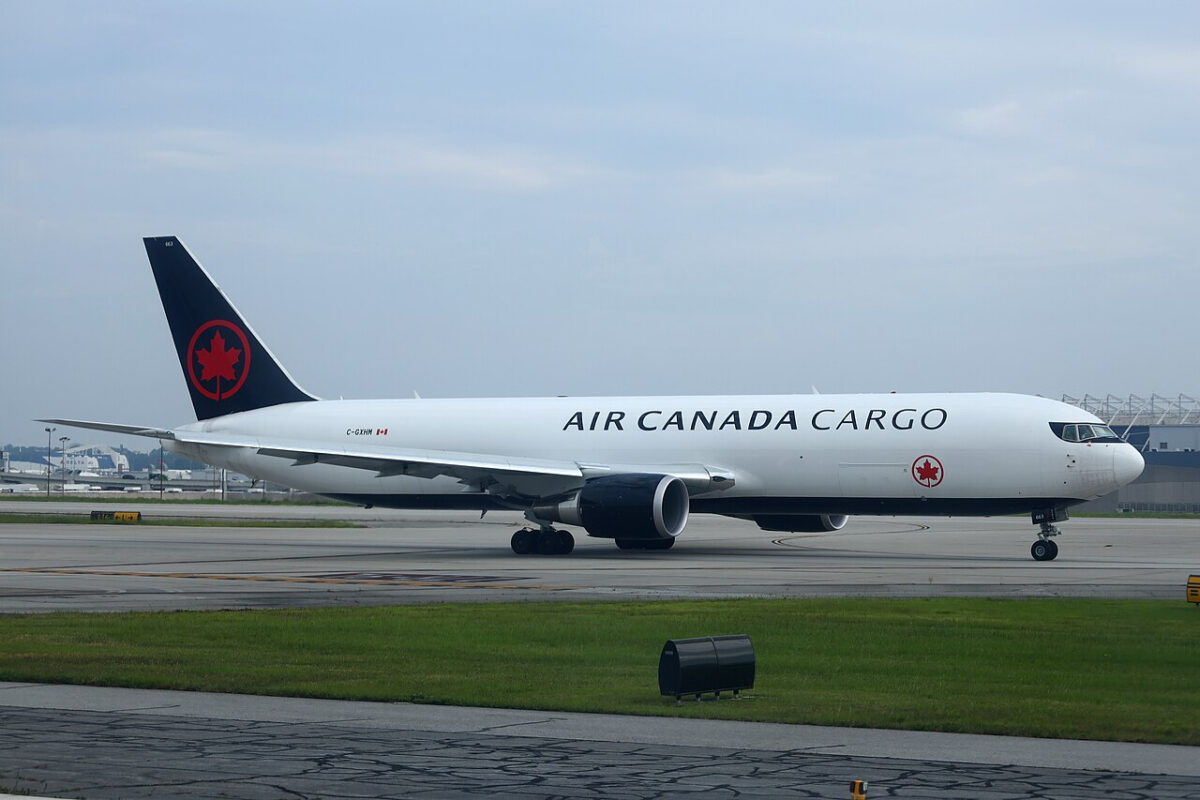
(603, 198)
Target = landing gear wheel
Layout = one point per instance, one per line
(628, 544)
(566, 542)
(547, 543)
(1043, 550)
(523, 542)
(660, 544)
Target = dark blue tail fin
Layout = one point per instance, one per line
(227, 367)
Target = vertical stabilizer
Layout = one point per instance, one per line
(226, 366)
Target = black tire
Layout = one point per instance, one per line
(566, 542)
(522, 542)
(628, 544)
(1040, 550)
(660, 544)
(547, 543)
(1053, 550)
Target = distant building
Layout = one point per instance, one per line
(90, 458)
(1167, 432)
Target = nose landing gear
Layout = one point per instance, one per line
(1045, 549)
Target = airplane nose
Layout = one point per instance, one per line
(1127, 464)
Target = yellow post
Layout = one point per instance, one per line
(858, 790)
(1193, 589)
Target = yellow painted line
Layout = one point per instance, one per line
(434, 584)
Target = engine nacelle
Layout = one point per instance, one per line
(801, 523)
(625, 507)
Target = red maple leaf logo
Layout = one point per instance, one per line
(216, 360)
(927, 471)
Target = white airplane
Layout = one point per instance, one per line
(629, 469)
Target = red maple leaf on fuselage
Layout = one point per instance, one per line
(217, 361)
(927, 472)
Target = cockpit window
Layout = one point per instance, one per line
(1083, 432)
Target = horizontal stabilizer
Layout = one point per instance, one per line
(113, 427)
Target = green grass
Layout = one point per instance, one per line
(177, 522)
(1094, 669)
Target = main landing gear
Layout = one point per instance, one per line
(545, 542)
(1044, 549)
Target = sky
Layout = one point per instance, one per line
(543, 198)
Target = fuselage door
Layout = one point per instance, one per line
(876, 480)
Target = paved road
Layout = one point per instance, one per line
(427, 556)
(110, 743)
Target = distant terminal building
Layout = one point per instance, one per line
(1167, 432)
(80, 461)
(91, 459)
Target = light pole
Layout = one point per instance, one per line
(62, 440)
(48, 432)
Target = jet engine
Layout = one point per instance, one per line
(801, 523)
(630, 507)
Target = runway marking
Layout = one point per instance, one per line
(903, 527)
(418, 577)
(363, 579)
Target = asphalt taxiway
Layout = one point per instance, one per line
(101, 743)
(110, 743)
(405, 557)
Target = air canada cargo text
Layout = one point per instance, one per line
(827, 419)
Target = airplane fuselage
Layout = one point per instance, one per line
(886, 454)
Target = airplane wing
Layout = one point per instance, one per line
(518, 479)
(505, 476)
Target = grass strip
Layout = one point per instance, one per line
(1093, 669)
(176, 522)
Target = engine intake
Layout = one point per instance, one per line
(635, 506)
(801, 523)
